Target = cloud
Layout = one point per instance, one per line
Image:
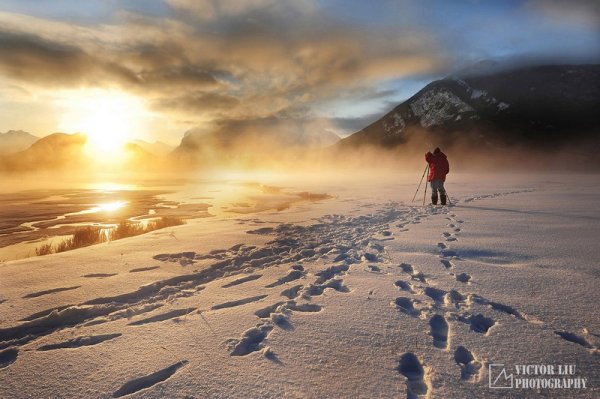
(367, 93)
(222, 60)
(353, 125)
(583, 13)
(30, 58)
(14, 93)
(215, 9)
(258, 137)
(197, 102)
(188, 76)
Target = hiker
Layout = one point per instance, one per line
(438, 169)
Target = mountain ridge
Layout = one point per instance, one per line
(15, 140)
(67, 151)
(525, 106)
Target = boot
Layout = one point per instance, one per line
(443, 198)
(434, 199)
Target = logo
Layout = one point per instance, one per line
(535, 376)
(499, 378)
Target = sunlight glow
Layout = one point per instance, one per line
(110, 206)
(108, 118)
(108, 187)
(102, 207)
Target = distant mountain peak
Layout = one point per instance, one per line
(14, 141)
(534, 105)
(156, 148)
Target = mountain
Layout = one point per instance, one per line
(67, 152)
(15, 141)
(138, 158)
(531, 107)
(53, 151)
(251, 141)
(157, 148)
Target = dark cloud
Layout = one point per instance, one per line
(178, 76)
(197, 103)
(34, 59)
(30, 58)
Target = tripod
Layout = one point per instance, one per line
(425, 193)
(421, 182)
(424, 172)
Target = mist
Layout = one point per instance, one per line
(248, 155)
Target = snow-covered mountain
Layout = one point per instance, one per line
(533, 106)
(15, 141)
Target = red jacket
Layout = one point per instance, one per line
(438, 165)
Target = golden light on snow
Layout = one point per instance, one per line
(102, 207)
(110, 186)
(108, 118)
(109, 206)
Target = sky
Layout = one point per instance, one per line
(165, 67)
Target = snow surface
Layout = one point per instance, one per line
(365, 295)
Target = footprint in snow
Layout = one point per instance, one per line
(250, 341)
(242, 280)
(292, 292)
(575, 338)
(407, 305)
(239, 302)
(51, 291)
(414, 274)
(439, 331)
(80, 341)
(292, 275)
(470, 367)
(144, 269)
(147, 381)
(7, 357)
(478, 323)
(406, 286)
(416, 376)
(373, 269)
(459, 300)
(438, 295)
(163, 316)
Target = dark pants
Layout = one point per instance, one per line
(437, 185)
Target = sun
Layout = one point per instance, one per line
(108, 118)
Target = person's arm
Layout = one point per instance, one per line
(429, 157)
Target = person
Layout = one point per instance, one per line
(438, 169)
